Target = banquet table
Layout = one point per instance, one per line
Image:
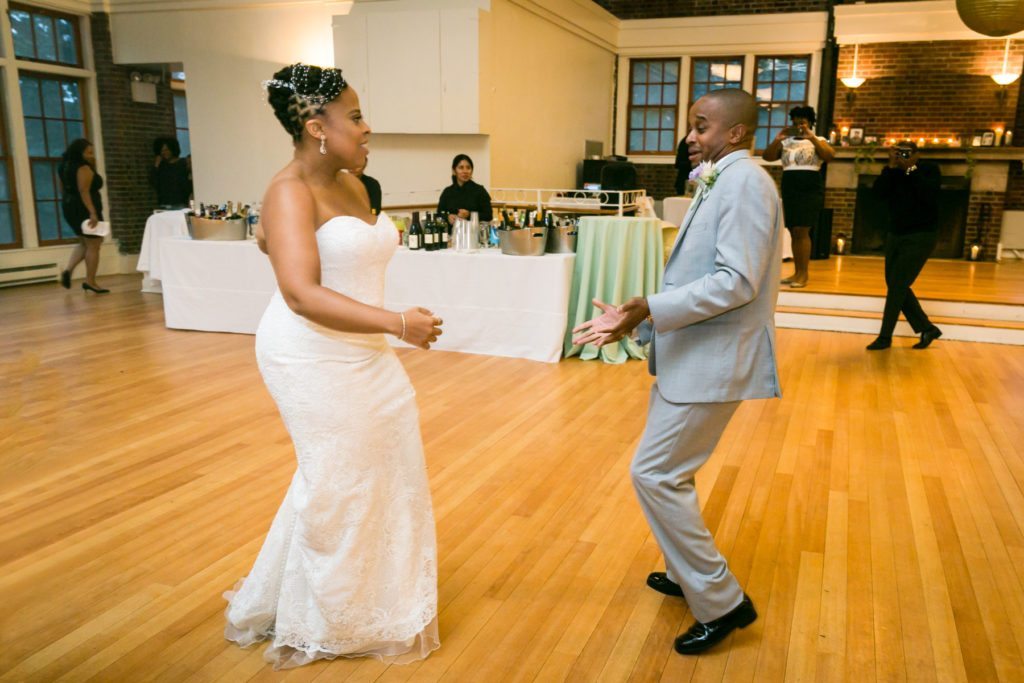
(617, 259)
(158, 226)
(492, 304)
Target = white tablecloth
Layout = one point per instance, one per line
(674, 209)
(513, 306)
(492, 304)
(158, 226)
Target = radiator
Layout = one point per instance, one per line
(28, 275)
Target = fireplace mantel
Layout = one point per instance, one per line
(979, 154)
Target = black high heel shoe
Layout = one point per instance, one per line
(65, 279)
(99, 290)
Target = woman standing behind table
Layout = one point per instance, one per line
(463, 196)
(80, 202)
(803, 190)
(170, 175)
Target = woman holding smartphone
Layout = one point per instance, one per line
(803, 189)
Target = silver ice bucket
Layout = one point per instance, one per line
(213, 229)
(561, 239)
(523, 241)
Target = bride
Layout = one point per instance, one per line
(349, 565)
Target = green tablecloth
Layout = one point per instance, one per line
(616, 259)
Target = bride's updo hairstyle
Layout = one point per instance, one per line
(299, 92)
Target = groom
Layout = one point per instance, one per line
(712, 336)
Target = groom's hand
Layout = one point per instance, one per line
(613, 324)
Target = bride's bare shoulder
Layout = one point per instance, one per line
(287, 188)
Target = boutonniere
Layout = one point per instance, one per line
(705, 174)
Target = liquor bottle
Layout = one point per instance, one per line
(429, 234)
(415, 232)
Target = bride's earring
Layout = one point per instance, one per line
(323, 144)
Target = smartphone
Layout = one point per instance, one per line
(791, 131)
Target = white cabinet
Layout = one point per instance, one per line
(416, 70)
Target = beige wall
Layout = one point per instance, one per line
(544, 90)
(236, 141)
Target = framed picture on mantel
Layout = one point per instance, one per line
(856, 135)
(983, 138)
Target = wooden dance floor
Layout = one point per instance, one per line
(875, 514)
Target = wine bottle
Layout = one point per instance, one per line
(415, 232)
(429, 234)
(445, 227)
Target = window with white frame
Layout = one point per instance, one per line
(10, 228)
(43, 35)
(653, 102)
(714, 73)
(781, 84)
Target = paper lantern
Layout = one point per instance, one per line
(992, 17)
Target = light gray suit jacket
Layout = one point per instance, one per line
(714, 318)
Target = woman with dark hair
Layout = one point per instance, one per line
(81, 202)
(464, 196)
(349, 566)
(803, 190)
(170, 176)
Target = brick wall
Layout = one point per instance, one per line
(658, 179)
(927, 89)
(128, 132)
(656, 9)
(1015, 188)
(842, 202)
(987, 233)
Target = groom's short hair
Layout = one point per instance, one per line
(738, 105)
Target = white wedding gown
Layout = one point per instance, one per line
(349, 566)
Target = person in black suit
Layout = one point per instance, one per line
(683, 167)
(372, 188)
(911, 186)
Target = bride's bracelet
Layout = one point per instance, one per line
(401, 337)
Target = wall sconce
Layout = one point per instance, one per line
(1004, 77)
(853, 82)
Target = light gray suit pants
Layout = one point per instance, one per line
(678, 439)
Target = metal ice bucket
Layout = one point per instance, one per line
(561, 239)
(523, 242)
(212, 229)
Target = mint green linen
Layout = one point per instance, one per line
(617, 258)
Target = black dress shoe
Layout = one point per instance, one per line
(927, 337)
(660, 582)
(880, 343)
(99, 290)
(65, 279)
(700, 636)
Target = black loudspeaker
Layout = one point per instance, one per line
(821, 238)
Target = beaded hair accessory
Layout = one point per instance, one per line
(308, 98)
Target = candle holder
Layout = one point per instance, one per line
(841, 244)
(974, 253)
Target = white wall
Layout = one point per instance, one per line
(546, 87)
(236, 141)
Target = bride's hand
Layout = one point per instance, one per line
(422, 328)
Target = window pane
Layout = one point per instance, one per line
(717, 72)
(640, 72)
(734, 73)
(699, 91)
(764, 93)
(654, 75)
(636, 118)
(51, 100)
(36, 138)
(30, 101)
(55, 142)
(654, 94)
(672, 71)
(6, 225)
(66, 49)
(651, 141)
(5, 188)
(780, 92)
(636, 141)
(761, 138)
(21, 31)
(42, 180)
(764, 69)
(668, 141)
(75, 130)
(639, 94)
(72, 97)
(185, 140)
(799, 67)
(762, 117)
(778, 116)
(46, 215)
(670, 94)
(798, 92)
(668, 119)
(180, 111)
(782, 69)
(652, 118)
(46, 47)
(700, 70)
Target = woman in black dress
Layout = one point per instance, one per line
(170, 176)
(463, 196)
(81, 201)
(803, 190)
